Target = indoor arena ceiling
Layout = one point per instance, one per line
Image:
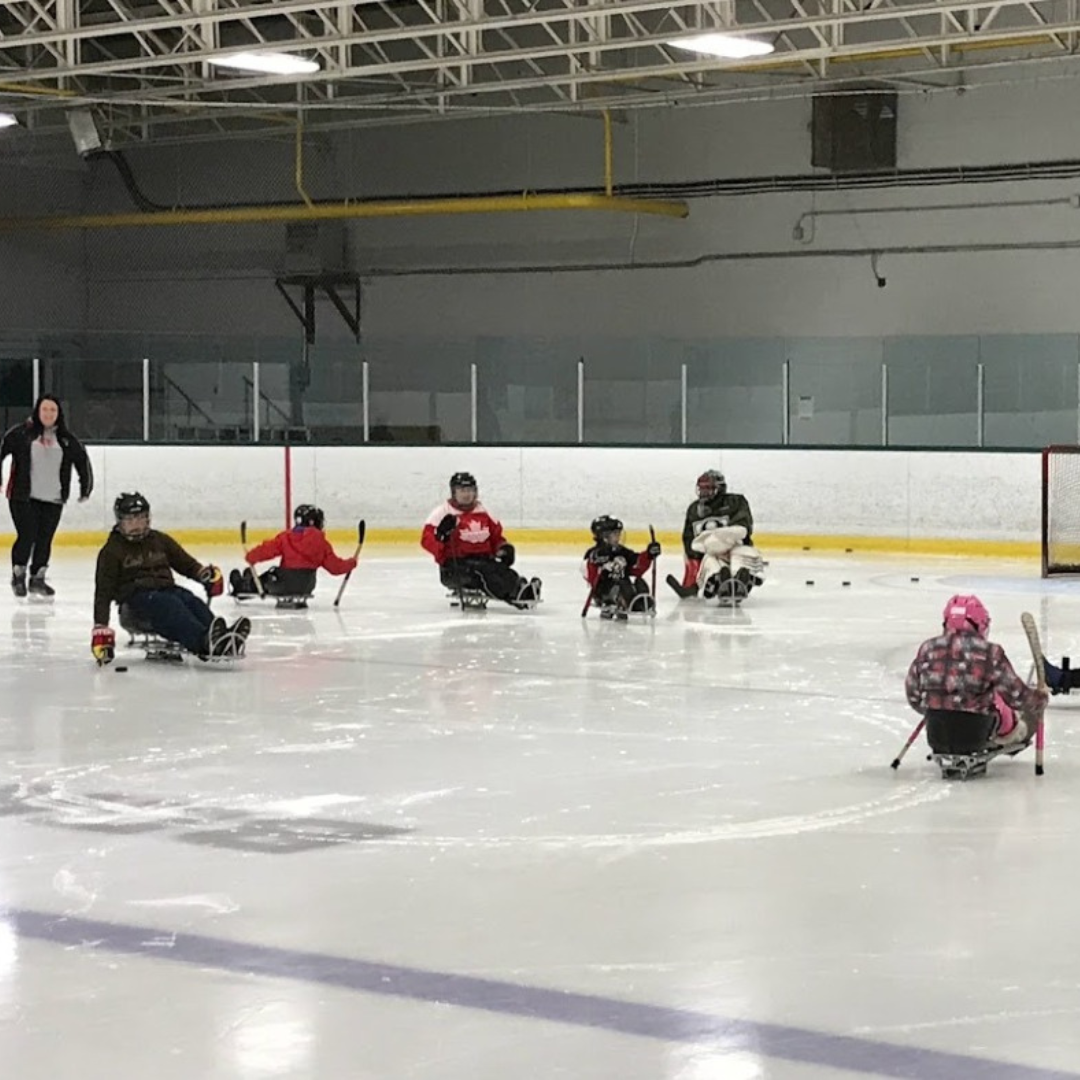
(151, 69)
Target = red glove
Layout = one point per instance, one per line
(103, 644)
(352, 564)
(212, 578)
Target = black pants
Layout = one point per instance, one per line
(35, 526)
(488, 575)
(951, 732)
(278, 581)
(621, 592)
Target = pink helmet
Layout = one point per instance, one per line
(966, 613)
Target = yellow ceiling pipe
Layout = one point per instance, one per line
(299, 170)
(311, 211)
(252, 215)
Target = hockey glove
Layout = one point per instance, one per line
(506, 554)
(445, 528)
(213, 580)
(103, 644)
(653, 550)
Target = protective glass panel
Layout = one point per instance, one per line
(102, 396)
(933, 394)
(835, 397)
(735, 391)
(16, 390)
(632, 391)
(1031, 389)
(200, 390)
(527, 390)
(419, 390)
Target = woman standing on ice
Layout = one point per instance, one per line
(43, 453)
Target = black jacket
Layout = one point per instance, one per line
(128, 566)
(17, 441)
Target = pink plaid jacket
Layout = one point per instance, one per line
(962, 672)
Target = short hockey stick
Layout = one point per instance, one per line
(590, 597)
(907, 746)
(244, 545)
(1027, 620)
(652, 540)
(361, 528)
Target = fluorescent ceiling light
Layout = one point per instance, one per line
(269, 63)
(7, 120)
(724, 45)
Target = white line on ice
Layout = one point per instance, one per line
(905, 798)
(217, 903)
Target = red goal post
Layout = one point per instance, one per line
(1060, 510)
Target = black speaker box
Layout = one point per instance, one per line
(855, 131)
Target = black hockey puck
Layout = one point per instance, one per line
(120, 670)
(806, 549)
(914, 579)
(809, 583)
(845, 583)
(849, 550)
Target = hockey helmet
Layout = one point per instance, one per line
(132, 513)
(461, 482)
(309, 515)
(710, 485)
(603, 527)
(966, 613)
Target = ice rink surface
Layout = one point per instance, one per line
(400, 841)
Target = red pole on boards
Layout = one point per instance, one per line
(288, 486)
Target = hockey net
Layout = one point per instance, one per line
(1061, 510)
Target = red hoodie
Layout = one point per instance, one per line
(301, 548)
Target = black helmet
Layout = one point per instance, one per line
(463, 481)
(129, 505)
(603, 525)
(309, 515)
(711, 485)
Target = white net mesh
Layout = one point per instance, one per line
(1061, 494)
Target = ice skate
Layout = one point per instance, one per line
(38, 586)
(18, 581)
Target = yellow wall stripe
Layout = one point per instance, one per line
(577, 540)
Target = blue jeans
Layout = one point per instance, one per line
(174, 613)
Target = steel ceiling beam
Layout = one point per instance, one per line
(148, 60)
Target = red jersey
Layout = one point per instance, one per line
(476, 532)
(301, 548)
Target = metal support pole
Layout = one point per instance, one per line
(472, 403)
(684, 401)
(980, 405)
(581, 400)
(256, 395)
(146, 399)
(36, 364)
(785, 382)
(364, 398)
(884, 404)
